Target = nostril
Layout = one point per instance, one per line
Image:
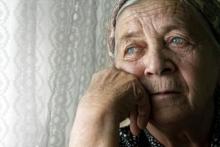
(166, 70)
(149, 73)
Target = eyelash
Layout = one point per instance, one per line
(127, 49)
(136, 51)
(172, 42)
(183, 43)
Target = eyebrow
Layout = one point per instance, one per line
(178, 26)
(130, 36)
(166, 29)
(134, 34)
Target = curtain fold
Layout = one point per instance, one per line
(49, 50)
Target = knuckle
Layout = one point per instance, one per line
(131, 77)
(94, 76)
(101, 73)
(142, 111)
(138, 89)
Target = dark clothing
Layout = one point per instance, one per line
(145, 139)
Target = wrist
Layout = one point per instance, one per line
(91, 114)
(92, 107)
(93, 127)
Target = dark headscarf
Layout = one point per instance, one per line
(210, 9)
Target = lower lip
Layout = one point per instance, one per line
(165, 95)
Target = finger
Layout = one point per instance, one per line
(133, 123)
(143, 106)
(143, 115)
(143, 111)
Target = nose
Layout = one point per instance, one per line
(156, 63)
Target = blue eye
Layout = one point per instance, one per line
(178, 41)
(131, 50)
(180, 44)
(133, 53)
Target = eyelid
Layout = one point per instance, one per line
(181, 34)
(185, 47)
(175, 35)
(169, 39)
(186, 40)
(129, 47)
(126, 49)
(136, 54)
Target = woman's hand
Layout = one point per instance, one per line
(112, 96)
(117, 92)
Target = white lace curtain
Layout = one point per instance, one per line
(48, 52)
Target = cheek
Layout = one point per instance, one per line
(188, 70)
(188, 79)
(200, 80)
(136, 68)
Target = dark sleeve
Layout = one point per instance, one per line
(128, 140)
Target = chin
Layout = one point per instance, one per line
(171, 115)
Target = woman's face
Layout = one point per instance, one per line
(171, 50)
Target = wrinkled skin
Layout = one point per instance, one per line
(167, 53)
(120, 94)
(175, 59)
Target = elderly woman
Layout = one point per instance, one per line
(165, 77)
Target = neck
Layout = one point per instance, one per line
(194, 132)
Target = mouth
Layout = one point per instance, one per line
(164, 94)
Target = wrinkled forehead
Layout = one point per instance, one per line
(152, 4)
(169, 12)
(166, 13)
(134, 8)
